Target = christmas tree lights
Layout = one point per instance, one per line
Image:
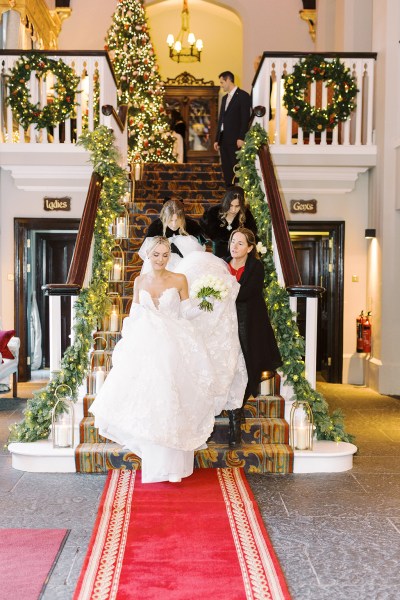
(140, 86)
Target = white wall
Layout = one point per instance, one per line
(352, 208)
(266, 24)
(16, 203)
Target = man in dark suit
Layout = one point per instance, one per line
(233, 123)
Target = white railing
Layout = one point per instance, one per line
(96, 87)
(268, 91)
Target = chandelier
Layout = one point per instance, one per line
(184, 48)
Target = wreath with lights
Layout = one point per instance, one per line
(63, 102)
(335, 74)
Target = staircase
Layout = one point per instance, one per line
(265, 434)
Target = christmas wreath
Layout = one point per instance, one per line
(57, 108)
(335, 75)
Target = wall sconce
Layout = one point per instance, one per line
(370, 234)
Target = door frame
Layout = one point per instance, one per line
(22, 229)
(336, 231)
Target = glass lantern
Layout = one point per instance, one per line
(301, 426)
(267, 385)
(114, 316)
(137, 171)
(99, 366)
(121, 226)
(117, 272)
(62, 420)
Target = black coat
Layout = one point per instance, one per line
(211, 223)
(256, 335)
(192, 228)
(235, 118)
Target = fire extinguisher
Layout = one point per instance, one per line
(367, 333)
(359, 324)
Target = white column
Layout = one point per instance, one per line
(311, 340)
(55, 332)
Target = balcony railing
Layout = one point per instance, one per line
(97, 87)
(268, 90)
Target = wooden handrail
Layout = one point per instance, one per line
(289, 266)
(78, 267)
(119, 117)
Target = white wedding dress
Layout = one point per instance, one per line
(158, 400)
(219, 328)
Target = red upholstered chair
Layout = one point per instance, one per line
(9, 350)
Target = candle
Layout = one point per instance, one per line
(302, 437)
(137, 171)
(265, 387)
(121, 228)
(62, 435)
(99, 379)
(116, 272)
(114, 321)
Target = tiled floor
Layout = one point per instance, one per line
(337, 535)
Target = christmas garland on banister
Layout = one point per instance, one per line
(91, 303)
(290, 342)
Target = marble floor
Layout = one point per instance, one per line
(337, 535)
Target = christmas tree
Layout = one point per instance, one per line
(140, 85)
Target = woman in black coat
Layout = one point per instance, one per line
(256, 335)
(219, 221)
(173, 221)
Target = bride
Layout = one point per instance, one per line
(218, 328)
(158, 398)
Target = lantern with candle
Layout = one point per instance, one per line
(115, 311)
(117, 272)
(301, 426)
(99, 366)
(121, 226)
(62, 419)
(138, 170)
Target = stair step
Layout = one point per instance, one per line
(200, 167)
(254, 458)
(259, 430)
(272, 407)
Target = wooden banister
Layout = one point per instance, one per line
(78, 267)
(287, 258)
(119, 117)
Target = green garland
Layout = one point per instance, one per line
(290, 342)
(335, 74)
(91, 304)
(63, 102)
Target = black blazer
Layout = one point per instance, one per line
(235, 119)
(219, 236)
(192, 227)
(256, 335)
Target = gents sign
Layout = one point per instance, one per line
(303, 206)
(51, 204)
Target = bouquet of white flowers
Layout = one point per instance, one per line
(207, 287)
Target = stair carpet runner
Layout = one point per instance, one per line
(265, 434)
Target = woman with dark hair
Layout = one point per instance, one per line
(256, 336)
(219, 221)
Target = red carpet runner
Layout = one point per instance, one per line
(202, 538)
(27, 557)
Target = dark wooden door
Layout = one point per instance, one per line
(53, 257)
(319, 252)
(24, 229)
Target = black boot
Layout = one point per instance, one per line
(235, 431)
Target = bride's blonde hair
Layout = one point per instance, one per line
(153, 242)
